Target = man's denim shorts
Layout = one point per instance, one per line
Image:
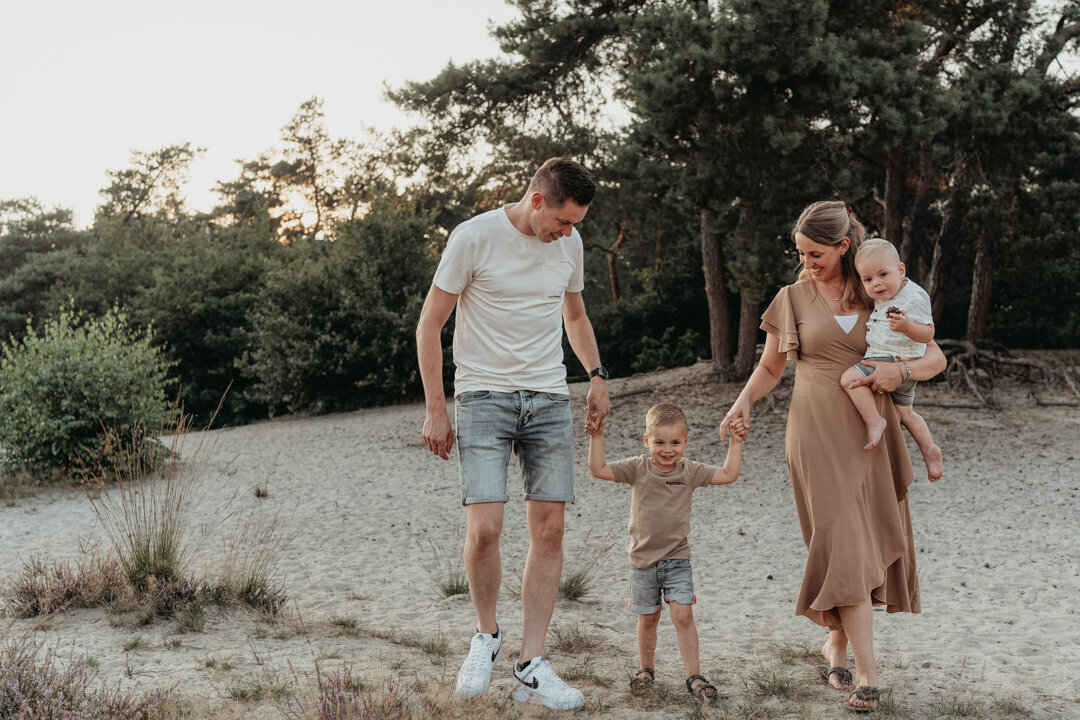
(669, 580)
(537, 426)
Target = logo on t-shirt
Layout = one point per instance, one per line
(674, 482)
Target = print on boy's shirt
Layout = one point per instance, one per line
(674, 482)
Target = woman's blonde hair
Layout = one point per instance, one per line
(828, 222)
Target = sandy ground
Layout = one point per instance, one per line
(375, 517)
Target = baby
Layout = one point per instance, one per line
(899, 328)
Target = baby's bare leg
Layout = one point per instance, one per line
(919, 430)
(863, 399)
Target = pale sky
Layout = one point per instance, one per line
(85, 83)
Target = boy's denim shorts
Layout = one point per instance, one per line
(537, 426)
(668, 580)
(904, 394)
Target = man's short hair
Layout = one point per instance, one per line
(562, 179)
(665, 414)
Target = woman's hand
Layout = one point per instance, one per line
(885, 378)
(738, 414)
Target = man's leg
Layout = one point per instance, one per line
(543, 571)
(483, 565)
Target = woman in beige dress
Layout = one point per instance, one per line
(852, 503)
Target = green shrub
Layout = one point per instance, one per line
(63, 388)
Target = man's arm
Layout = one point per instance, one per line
(438, 435)
(583, 342)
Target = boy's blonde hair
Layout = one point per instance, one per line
(878, 245)
(665, 414)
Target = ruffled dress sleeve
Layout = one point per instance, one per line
(779, 320)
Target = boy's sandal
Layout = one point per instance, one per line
(642, 680)
(843, 676)
(705, 691)
(867, 694)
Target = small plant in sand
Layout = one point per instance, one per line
(447, 571)
(577, 580)
(146, 513)
(776, 684)
(248, 571)
(574, 639)
(36, 687)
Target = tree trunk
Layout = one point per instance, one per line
(612, 261)
(659, 254)
(895, 177)
(981, 280)
(716, 293)
(948, 239)
(909, 247)
(748, 327)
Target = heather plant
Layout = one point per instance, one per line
(66, 387)
(34, 689)
(43, 587)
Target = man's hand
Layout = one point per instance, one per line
(438, 435)
(597, 405)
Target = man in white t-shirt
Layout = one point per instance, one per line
(515, 276)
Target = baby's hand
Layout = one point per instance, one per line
(897, 319)
(738, 430)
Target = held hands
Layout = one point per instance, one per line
(595, 429)
(737, 420)
(597, 407)
(738, 430)
(438, 435)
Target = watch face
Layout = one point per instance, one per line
(601, 371)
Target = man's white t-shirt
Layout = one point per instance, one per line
(508, 327)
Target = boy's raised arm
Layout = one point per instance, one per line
(597, 464)
(733, 462)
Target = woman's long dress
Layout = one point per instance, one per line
(852, 503)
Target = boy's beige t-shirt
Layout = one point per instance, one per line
(660, 507)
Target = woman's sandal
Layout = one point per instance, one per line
(642, 680)
(705, 691)
(843, 675)
(867, 694)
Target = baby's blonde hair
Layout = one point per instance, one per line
(664, 414)
(878, 245)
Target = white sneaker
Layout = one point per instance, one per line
(475, 674)
(538, 682)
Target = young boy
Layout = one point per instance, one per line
(898, 330)
(663, 481)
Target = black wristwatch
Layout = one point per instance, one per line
(601, 371)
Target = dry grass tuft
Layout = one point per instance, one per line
(574, 639)
(577, 580)
(446, 570)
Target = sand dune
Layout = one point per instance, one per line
(375, 516)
